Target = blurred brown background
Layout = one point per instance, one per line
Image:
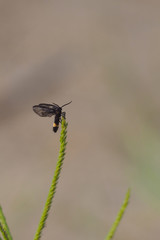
(104, 56)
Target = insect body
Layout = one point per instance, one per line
(48, 110)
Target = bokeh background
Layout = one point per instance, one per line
(104, 56)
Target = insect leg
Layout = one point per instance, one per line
(63, 115)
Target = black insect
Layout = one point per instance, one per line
(48, 110)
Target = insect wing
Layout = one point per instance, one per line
(43, 110)
(47, 105)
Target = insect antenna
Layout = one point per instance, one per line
(66, 104)
(55, 104)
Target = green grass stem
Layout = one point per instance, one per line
(119, 216)
(3, 232)
(4, 227)
(53, 186)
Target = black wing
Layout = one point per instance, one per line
(45, 110)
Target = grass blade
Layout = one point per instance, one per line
(119, 216)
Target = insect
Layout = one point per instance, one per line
(48, 110)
